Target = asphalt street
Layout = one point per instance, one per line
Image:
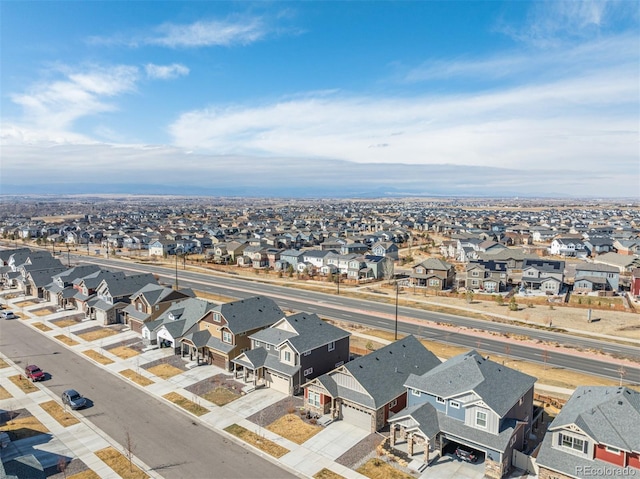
(167, 440)
(382, 316)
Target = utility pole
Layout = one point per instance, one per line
(176, 254)
(338, 281)
(396, 328)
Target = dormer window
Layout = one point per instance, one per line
(571, 442)
(287, 356)
(481, 419)
(227, 337)
(216, 317)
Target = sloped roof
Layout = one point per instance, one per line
(250, 313)
(435, 263)
(610, 415)
(499, 387)
(382, 373)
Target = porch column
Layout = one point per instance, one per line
(427, 446)
(392, 437)
(403, 433)
(410, 444)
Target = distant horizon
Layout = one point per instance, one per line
(312, 99)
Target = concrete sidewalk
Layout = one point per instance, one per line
(307, 459)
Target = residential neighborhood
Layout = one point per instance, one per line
(414, 404)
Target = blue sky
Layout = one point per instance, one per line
(321, 98)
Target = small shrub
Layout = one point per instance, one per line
(529, 305)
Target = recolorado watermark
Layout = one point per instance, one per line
(605, 471)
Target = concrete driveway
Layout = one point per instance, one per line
(335, 439)
(448, 467)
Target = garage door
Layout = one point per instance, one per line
(279, 383)
(357, 417)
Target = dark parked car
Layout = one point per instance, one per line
(466, 454)
(34, 373)
(73, 399)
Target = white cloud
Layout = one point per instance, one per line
(209, 33)
(549, 21)
(573, 122)
(58, 104)
(166, 72)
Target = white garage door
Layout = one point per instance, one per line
(279, 383)
(356, 417)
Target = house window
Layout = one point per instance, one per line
(393, 403)
(434, 282)
(314, 399)
(481, 419)
(216, 317)
(455, 404)
(308, 371)
(612, 450)
(571, 442)
(257, 344)
(475, 273)
(287, 356)
(226, 337)
(439, 400)
(415, 392)
(332, 346)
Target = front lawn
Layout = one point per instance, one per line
(254, 439)
(186, 404)
(135, 377)
(96, 356)
(66, 340)
(378, 469)
(165, 371)
(291, 427)
(97, 334)
(221, 396)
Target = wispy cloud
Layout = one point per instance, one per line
(550, 21)
(166, 72)
(59, 103)
(569, 121)
(236, 30)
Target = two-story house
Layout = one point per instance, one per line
(224, 332)
(367, 390)
(568, 248)
(595, 435)
(149, 302)
(543, 275)
(292, 351)
(434, 274)
(471, 401)
(487, 275)
(596, 277)
(60, 289)
(113, 295)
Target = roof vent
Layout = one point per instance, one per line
(360, 366)
(396, 369)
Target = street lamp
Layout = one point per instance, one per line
(68, 256)
(338, 282)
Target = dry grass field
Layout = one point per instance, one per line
(4, 394)
(220, 396)
(41, 326)
(136, 378)
(24, 427)
(3, 364)
(291, 427)
(86, 474)
(43, 311)
(165, 371)
(96, 356)
(325, 473)
(56, 411)
(378, 469)
(66, 340)
(120, 464)
(97, 334)
(23, 383)
(186, 404)
(124, 352)
(257, 441)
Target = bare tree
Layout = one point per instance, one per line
(129, 448)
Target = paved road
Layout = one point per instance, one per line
(381, 315)
(165, 439)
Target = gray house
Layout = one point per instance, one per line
(543, 275)
(596, 277)
(292, 351)
(468, 400)
(367, 390)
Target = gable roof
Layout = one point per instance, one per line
(499, 387)
(382, 373)
(609, 415)
(250, 313)
(435, 263)
(127, 285)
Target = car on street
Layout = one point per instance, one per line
(7, 315)
(34, 373)
(465, 454)
(73, 399)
